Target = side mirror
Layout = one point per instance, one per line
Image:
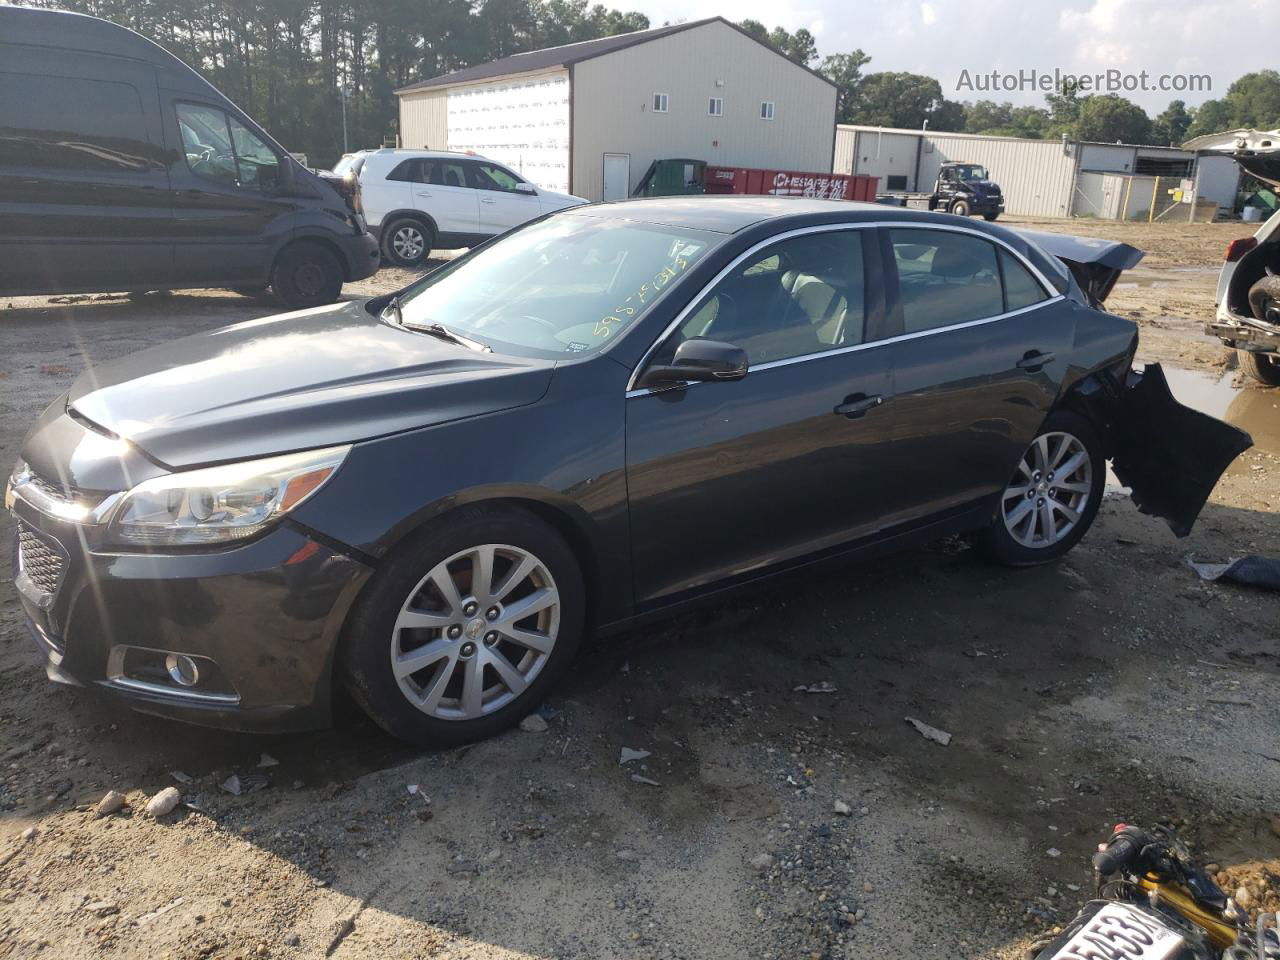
(527, 189)
(699, 360)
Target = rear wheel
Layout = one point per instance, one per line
(466, 628)
(1052, 497)
(306, 275)
(1263, 367)
(960, 208)
(406, 242)
(991, 217)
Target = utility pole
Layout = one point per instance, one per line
(344, 91)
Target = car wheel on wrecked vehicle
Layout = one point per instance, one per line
(1053, 496)
(306, 275)
(466, 628)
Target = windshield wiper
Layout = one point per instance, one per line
(443, 332)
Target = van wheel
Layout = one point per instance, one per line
(406, 242)
(1053, 496)
(1263, 367)
(466, 627)
(306, 275)
(960, 208)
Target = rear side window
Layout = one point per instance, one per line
(1021, 289)
(945, 278)
(407, 170)
(446, 173)
(73, 124)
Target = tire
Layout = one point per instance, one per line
(960, 208)
(1263, 367)
(990, 217)
(306, 275)
(256, 290)
(1018, 542)
(406, 242)
(430, 706)
(1264, 299)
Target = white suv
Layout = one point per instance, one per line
(417, 200)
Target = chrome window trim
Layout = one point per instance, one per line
(1049, 289)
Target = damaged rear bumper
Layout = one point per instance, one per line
(1250, 335)
(1169, 455)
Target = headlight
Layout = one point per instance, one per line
(220, 504)
(18, 475)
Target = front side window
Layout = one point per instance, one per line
(800, 296)
(490, 177)
(564, 286)
(659, 103)
(219, 147)
(945, 278)
(715, 106)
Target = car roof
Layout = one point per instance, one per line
(411, 152)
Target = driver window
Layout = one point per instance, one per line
(489, 177)
(221, 148)
(797, 297)
(259, 166)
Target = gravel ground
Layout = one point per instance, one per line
(765, 821)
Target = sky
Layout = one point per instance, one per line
(941, 38)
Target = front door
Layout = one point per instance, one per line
(84, 190)
(728, 478)
(977, 366)
(506, 201)
(451, 201)
(617, 176)
(226, 198)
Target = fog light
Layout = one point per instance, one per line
(182, 669)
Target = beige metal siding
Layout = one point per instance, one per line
(424, 120)
(886, 155)
(1113, 159)
(846, 144)
(612, 102)
(1036, 176)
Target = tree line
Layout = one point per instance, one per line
(911, 100)
(291, 63)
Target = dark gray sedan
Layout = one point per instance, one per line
(620, 409)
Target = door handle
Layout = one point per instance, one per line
(857, 405)
(422, 193)
(1033, 360)
(488, 200)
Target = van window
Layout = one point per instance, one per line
(72, 124)
(220, 147)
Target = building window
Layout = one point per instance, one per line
(659, 103)
(766, 110)
(715, 106)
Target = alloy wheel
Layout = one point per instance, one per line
(1049, 491)
(475, 632)
(408, 243)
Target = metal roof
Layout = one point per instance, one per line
(571, 53)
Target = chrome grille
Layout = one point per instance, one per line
(41, 561)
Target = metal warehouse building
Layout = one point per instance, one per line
(1045, 178)
(589, 118)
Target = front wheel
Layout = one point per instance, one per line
(960, 208)
(1053, 496)
(306, 275)
(466, 628)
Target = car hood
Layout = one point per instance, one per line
(314, 378)
(561, 199)
(1257, 151)
(1095, 264)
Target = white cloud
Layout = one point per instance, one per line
(928, 14)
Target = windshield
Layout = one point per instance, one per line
(971, 171)
(567, 285)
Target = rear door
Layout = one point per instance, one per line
(84, 190)
(446, 194)
(502, 205)
(978, 358)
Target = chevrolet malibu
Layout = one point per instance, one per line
(431, 498)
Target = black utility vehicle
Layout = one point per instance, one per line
(599, 416)
(961, 188)
(121, 169)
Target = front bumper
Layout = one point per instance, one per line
(264, 617)
(363, 256)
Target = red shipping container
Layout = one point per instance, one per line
(790, 183)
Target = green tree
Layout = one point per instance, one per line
(799, 46)
(1254, 100)
(1212, 116)
(1171, 126)
(1109, 117)
(845, 71)
(903, 100)
(984, 116)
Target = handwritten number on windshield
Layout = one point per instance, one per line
(648, 290)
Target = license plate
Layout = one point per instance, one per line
(1117, 932)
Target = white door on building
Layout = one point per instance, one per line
(617, 176)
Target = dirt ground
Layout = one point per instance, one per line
(1112, 686)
